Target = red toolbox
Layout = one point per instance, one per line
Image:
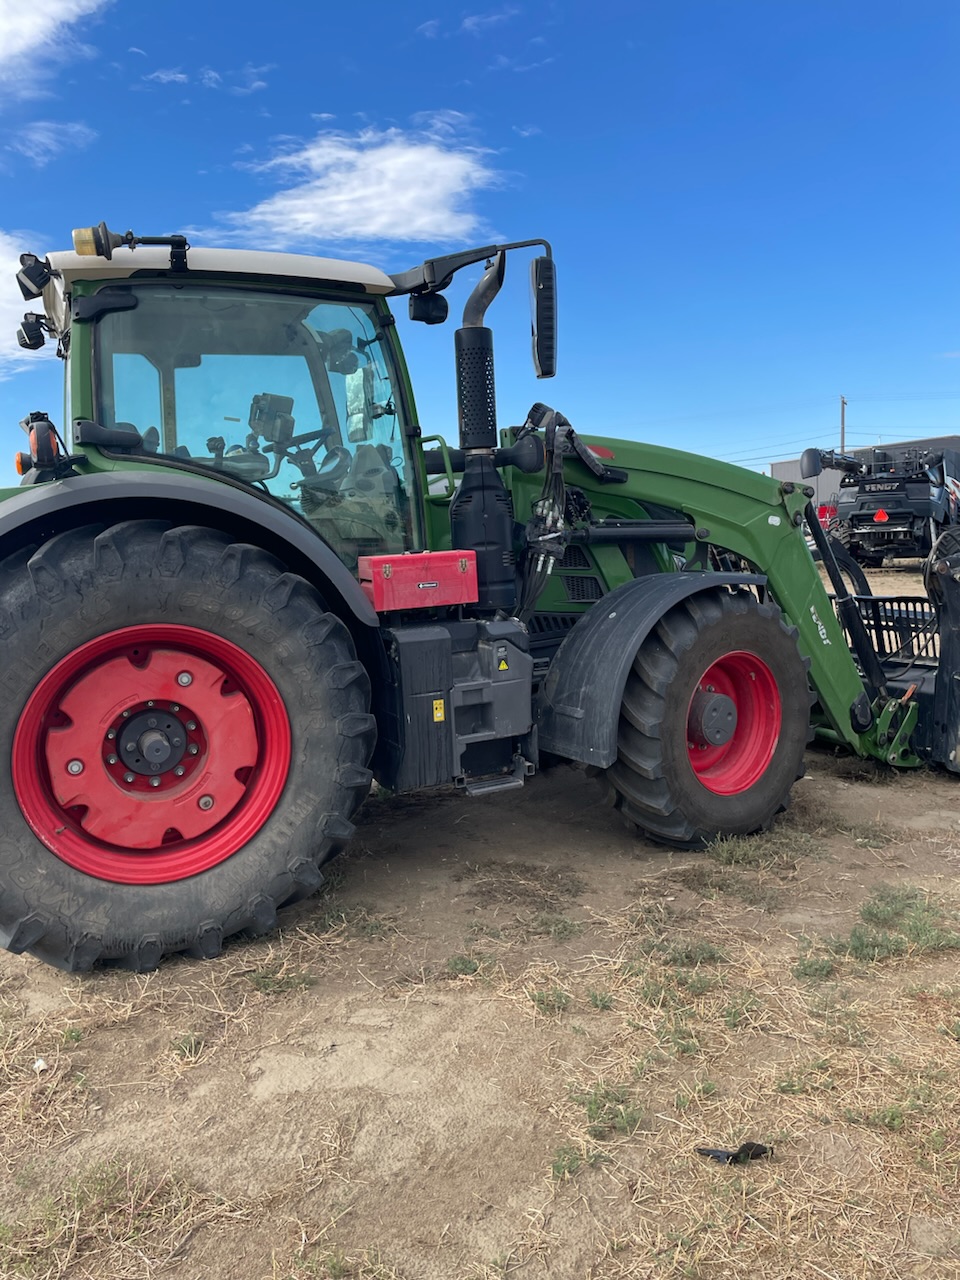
(419, 580)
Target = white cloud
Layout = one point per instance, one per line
(249, 79)
(526, 130)
(502, 63)
(133, 49)
(252, 79)
(445, 123)
(44, 139)
(13, 358)
(376, 185)
(476, 23)
(429, 29)
(40, 28)
(167, 75)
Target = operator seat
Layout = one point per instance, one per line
(362, 513)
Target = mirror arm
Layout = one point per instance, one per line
(435, 274)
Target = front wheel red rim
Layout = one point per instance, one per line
(151, 754)
(736, 765)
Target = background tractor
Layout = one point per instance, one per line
(244, 585)
(895, 501)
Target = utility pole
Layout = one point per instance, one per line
(843, 424)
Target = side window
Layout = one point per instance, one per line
(136, 393)
(360, 384)
(357, 499)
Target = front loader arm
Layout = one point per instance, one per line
(760, 519)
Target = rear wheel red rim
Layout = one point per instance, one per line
(738, 764)
(151, 754)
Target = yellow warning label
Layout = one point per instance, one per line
(503, 665)
(439, 711)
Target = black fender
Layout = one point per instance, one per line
(579, 701)
(183, 498)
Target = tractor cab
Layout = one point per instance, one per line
(244, 366)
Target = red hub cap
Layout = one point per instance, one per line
(151, 754)
(733, 723)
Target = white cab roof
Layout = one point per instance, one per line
(249, 262)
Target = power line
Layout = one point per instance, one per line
(778, 444)
(901, 395)
(819, 402)
(785, 407)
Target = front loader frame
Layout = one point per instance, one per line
(759, 521)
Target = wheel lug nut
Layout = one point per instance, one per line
(192, 749)
(191, 725)
(154, 782)
(75, 767)
(128, 777)
(184, 678)
(205, 802)
(111, 735)
(174, 706)
(179, 771)
(150, 703)
(125, 714)
(111, 759)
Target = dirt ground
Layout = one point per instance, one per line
(491, 1046)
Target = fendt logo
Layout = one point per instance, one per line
(880, 488)
(820, 627)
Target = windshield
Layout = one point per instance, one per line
(293, 394)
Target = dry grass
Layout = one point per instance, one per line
(707, 1038)
(320, 1265)
(689, 1012)
(523, 884)
(113, 1220)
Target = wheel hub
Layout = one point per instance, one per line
(152, 742)
(712, 720)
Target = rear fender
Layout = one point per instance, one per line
(579, 701)
(35, 514)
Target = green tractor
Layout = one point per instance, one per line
(245, 585)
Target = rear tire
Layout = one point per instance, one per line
(683, 775)
(186, 737)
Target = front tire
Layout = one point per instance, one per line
(188, 742)
(714, 722)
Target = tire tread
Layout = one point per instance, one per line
(636, 782)
(35, 582)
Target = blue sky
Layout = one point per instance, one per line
(753, 203)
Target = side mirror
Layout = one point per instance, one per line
(811, 463)
(543, 285)
(428, 308)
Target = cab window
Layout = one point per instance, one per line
(290, 393)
